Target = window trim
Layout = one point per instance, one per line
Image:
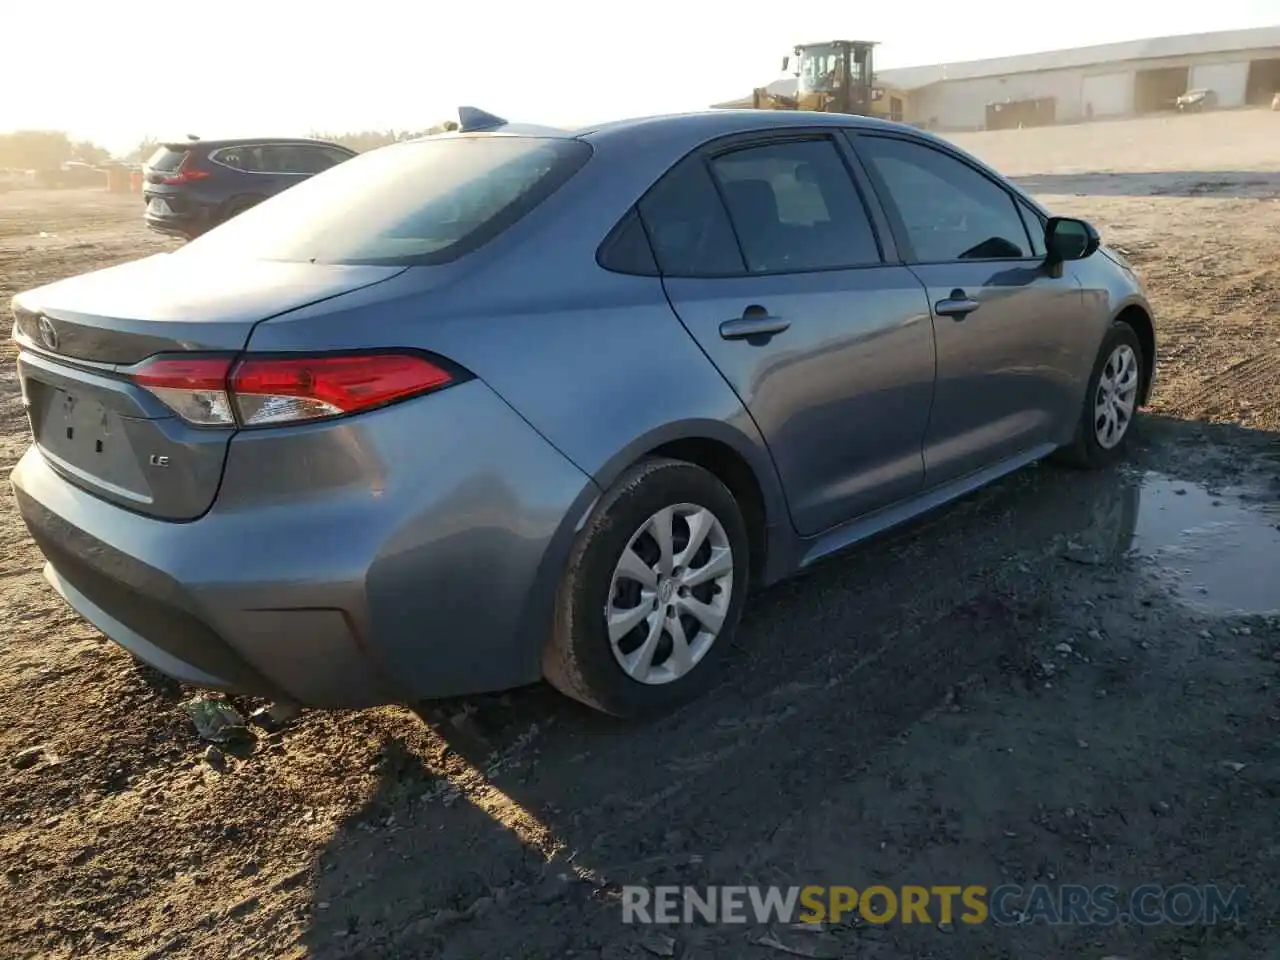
(795, 137)
(898, 225)
(881, 227)
(611, 238)
(695, 158)
(213, 156)
(1029, 212)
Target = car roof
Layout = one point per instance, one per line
(711, 123)
(248, 142)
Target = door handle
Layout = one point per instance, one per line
(753, 323)
(957, 306)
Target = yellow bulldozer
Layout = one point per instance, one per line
(837, 76)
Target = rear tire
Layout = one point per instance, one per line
(1110, 403)
(237, 206)
(633, 630)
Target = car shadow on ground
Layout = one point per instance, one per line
(513, 837)
(1250, 184)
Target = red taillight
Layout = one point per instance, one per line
(265, 390)
(185, 174)
(193, 388)
(279, 390)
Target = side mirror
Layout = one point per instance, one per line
(1066, 238)
(786, 62)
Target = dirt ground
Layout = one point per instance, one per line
(1066, 678)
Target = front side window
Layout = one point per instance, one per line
(1035, 228)
(421, 202)
(297, 158)
(949, 210)
(795, 208)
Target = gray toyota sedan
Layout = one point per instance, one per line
(514, 403)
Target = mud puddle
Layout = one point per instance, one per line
(1217, 551)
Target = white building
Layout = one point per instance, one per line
(1113, 80)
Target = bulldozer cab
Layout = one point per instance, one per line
(834, 77)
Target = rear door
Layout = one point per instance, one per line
(773, 263)
(1008, 332)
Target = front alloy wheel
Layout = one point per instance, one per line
(1110, 401)
(1116, 397)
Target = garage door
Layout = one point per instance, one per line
(1227, 80)
(1109, 95)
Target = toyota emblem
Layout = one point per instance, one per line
(48, 333)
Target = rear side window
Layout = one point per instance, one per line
(627, 250)
(421, 202)
(166, 159)
(795, 207)
(688, 225)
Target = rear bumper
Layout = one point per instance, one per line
(415, 557)
(185, 226)
(189, 216)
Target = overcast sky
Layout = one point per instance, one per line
(116, 73)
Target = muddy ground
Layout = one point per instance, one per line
(1066, 678)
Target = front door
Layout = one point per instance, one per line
(1008, 332)
(770, 260)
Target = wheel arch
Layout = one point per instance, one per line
(740, 462)
(1138, 317)
(238, 204)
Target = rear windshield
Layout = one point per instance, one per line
(427, 201)
(166, 159)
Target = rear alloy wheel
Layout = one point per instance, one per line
(1111, 401)
(653, 592)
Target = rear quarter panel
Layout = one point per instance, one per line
(596, 362)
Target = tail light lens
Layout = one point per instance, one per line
(196, 389)
(185, 173)
(261, 391)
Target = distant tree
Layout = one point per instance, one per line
(35, 149)
(365, 140)
(86, 151)
(359, 141)
(142, 151)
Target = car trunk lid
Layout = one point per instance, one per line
(82, 339)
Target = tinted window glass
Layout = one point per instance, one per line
(950, 211)
(421, 202)
(1035, 228)
(795, 207)
(249, 158)
(296, 158)
(688, 225)
(627, 250)
(334, 155)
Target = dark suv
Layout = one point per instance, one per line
(190, 187)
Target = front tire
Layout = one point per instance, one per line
(1110, 402)
(653, 592)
